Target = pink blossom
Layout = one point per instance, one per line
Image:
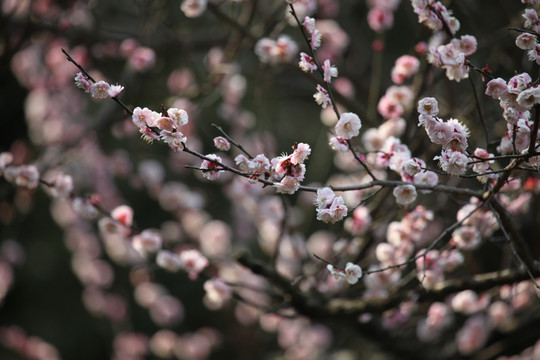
(123, 214)
(273, 52)
(193, 262)
(210, 169)
(222, 143)
(142, 117)
(351, 273)
(179, 116)
(82, 82)
(165, 123)
(496, 88)
(518, 83)
(142, 59)
(169, 260)
(414, 166)
(348, 126)
(300, 153)
(287, 185)
(380, 19)
(321, 97)
(175, 140)
(405, 194)
(147, 242)
(500, 314)
(404, 68)
(329, 71)
(193, 8)
(339, 144)
(428, 106)
(428, 178)
(62, 186)
(466, 237)
(453, 162)
(335, 212)
(325, 196)
(389, 108)
(25, 175)
(309, 24)
(217, 293)
(531, 18)
(359, 222)
(473, 335)
(526, 41)
(100, 90)
(307, 63)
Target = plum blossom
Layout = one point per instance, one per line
(300, 153)
(348, 126)
(100, 90)
(351, 273)
(526, 41)
(179, 116)
(405, 67)
(496, 88)
(322, 97)
(210, 169)
(217, 293)
(330, 208)
(428, 106)
(405, 194)
(123, 214)
(142, 58)
(147, 242)
(329, 71)
(193, 262)
(222, 143)
(473, 335)
(82, 82)
(315, 34)
(453, 162)
(287, 185)
(169, 260)
(281, 50)
(466, 237)
(339, 144)
(193, 8)
(307, 63)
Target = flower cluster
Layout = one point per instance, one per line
(291, 168)
(351, 273)
(451, 135)
(330, 208)
(155, 126)
(281, 50)
(98, 90)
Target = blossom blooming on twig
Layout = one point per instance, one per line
(330, 208)
(351, 273)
